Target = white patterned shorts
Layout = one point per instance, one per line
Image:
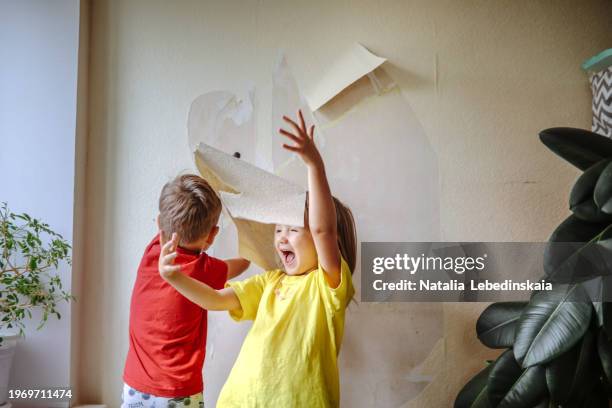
(131, 398)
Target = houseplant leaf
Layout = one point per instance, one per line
(512, 386)
(582, 201)
(570, 375)
(597, 398)
(578, 250)
(580, 147)
(604, 350)
(29, 260)
(600, 292)
(551, 324)
(603, 190)
(474, 393)
(496, 325)
(545, 403)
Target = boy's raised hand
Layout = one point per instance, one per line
(198, 292)
(167, 255)
(303, 139)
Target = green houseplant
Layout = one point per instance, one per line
(30, 253)
(559, 343)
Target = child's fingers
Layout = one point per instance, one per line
(293, 125)
(290, 136)
(312, 132)
(175, 241)
(291, 148)
(171, 268)
(302, 123)
(167, 248)
(169, 259)
(162, 238)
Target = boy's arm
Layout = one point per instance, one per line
(321, 208)
(194, 290)
(236, 266)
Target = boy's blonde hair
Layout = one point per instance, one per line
(189, 206)
(347, 233)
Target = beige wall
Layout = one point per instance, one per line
(483, 77)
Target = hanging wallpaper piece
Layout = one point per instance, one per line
(255, 200)
(224, 121)
(286, 100)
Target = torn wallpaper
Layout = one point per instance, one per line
(350, 65)
(377, 156)
(225, 121)
(255, 199)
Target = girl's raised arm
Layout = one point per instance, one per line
(321, 209)
(199, 293)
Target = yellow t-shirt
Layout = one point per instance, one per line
(290, 356)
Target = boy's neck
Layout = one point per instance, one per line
(191, 249)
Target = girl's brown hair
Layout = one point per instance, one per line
(347, 234)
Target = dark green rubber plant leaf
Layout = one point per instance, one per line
(578, 250)
(603, 310)
(606, 386)
(603, 190)
(551, 324)
(474, 393)
(600, 292)
(604, 316)
(545, 403)
(596, 398)
(604, 349)
(512, 386)
(570, 375)
(496, 326)
(580, 147)
(582, 201)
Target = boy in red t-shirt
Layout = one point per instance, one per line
(164, 363)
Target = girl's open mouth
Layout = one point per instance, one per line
(288, 257)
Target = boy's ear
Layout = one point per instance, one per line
(157, 222)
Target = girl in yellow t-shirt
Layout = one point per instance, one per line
(290, 356)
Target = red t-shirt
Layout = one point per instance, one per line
(168, 331)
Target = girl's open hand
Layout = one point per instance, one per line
(168, 253)
(304, 140)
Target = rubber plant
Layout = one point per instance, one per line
(559, 343)
(30, 253)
